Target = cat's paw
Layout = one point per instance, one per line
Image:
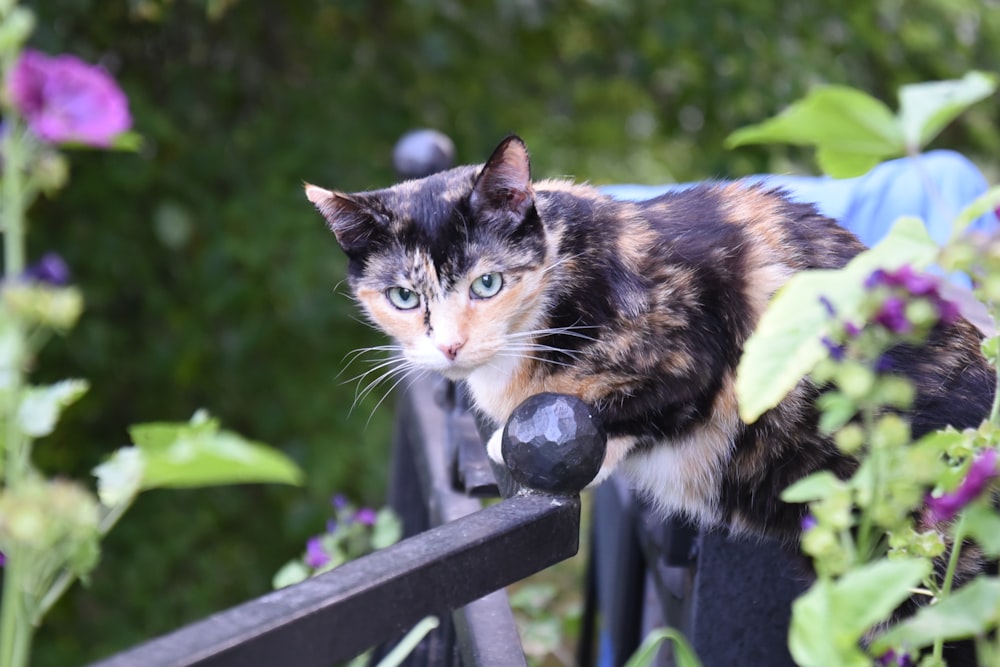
(494, 446)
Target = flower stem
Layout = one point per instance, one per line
(949, 575)
(66, 578)
(864, 546)
(15, 630)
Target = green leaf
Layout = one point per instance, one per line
(816, 486)
(128, 141)
(15, 28)
(869, 594)
(970, 610)
(811, 638)
(41, 406)
(387, 529)
(645, 655)
(983, 525)
(845, 164)
(852, 130)
(119, 478)
(292, 572)
(829, 620)
(981, 205)
(787, 345)
(926, 108)
(199, 453)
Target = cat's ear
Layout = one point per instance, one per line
(504, 184)
(352, 222)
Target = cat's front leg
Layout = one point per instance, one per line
(616, 450)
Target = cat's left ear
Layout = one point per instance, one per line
(504, 184)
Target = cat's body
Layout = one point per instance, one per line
(639, 308)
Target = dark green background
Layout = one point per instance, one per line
(211, 283)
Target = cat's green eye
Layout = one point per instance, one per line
(402, 298)
(486, 285)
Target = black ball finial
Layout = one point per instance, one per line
(420, 153)
(553, 443)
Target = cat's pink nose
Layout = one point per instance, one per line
(450, 350)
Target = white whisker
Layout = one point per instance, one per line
(538, 347)
(406, 376)
(557, 331)
(561, 261)
(515, 355)
(370, 387)
(392, 361)
(354, 354)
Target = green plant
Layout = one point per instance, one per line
(50, 528)
(873, 537)
(351, 533)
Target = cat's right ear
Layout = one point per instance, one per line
(504, 184)
(351, 221)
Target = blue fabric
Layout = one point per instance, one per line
(935, 191)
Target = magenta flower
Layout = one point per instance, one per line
(316, 556)
(3, 559)
(892, 315)
(912, 284)
(917, 284)
(63, 99)
(982, 471)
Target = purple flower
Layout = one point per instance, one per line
(63, 99)
(49, 269)
(316, 556)
(982, 471)
(877, 277)
(835, 351)
(365, 516)
(892, 315)
(917, 284)
(3, 559)
(331, 526)
(892, 659)
(828, 306)
(883, 364)
(808, 523)
(339, 501)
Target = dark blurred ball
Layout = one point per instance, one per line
(421, 153)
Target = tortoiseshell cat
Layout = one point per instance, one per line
(639, 308)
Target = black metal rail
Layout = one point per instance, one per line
(465, 554)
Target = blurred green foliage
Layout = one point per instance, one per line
(210, 281)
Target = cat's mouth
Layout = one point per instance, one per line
(458, 368)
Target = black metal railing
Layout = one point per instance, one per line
(457, 553)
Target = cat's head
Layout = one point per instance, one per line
(451, 265)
